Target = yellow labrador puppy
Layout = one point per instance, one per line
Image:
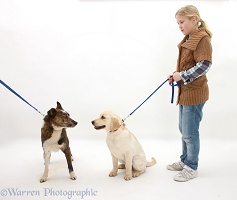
(123, 146)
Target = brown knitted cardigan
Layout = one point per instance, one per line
(193, 49)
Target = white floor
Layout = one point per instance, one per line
(22, 166)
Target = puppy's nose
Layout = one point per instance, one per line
(93, 122)
(75, 123)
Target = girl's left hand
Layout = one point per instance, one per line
(176, 76)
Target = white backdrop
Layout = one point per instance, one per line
(94, 55)
(98, 55)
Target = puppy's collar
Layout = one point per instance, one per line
(118, 127)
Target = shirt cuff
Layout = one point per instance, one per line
(185, 77)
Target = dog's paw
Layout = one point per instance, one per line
(43, 179)
(112, 174)
(136, 174)
(121, 166)
(128, 177)
(73, 176)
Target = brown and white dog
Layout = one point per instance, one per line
(54, 137)
(123, 146)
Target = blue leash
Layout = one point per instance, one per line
(4, 84)
(173, 85)
(172, 96)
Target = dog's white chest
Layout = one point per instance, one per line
(52, 143)
(116, 148)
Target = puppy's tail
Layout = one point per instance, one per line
(153, 162)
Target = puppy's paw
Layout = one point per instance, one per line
(43, 179)
(112, 174)
(128, 177)
(136, 174)
(121, 166)
(73, 176)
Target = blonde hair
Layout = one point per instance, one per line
(191, 11)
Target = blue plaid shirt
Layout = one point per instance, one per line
(200, 69)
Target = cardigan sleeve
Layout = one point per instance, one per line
(203, 50)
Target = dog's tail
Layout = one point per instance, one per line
(153, 162)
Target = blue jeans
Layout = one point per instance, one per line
(189, 121)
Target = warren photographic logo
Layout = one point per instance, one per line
(48, 192)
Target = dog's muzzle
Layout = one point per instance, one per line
(73, 123)
(97, 127)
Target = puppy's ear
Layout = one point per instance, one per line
(59, 106)
(114, 124)
(52, 112)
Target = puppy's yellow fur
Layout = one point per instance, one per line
(123, 145)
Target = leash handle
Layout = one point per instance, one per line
(173, 85)
(5, 85)
(172, 94)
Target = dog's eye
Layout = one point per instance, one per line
(65, 115)
(102, 117)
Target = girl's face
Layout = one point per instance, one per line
(187, 25)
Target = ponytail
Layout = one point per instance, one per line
(204, 25)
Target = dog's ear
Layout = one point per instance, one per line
(59, 106)
(114, 124)
(52, 112)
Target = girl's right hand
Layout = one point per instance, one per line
(170, 78)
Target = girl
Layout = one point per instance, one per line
(194, 61)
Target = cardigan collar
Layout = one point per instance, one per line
(193, 39)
